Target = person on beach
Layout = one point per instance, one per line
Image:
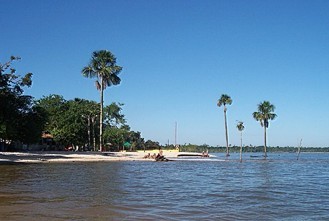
(160, 155)
(205, 154)
(147, 156)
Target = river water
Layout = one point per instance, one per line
(279, 188)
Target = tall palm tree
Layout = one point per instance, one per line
(103, 67)
(223, 101)
(240, 127)
(264, 115)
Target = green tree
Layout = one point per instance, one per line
(55, 107)
(113, 115)
(240, 127)
(264, 115)
(19, 119)
(31, 125)
(70, 122)
(115, 137)
(137, 142)
(151, 145)
(223, 101)
(116, 131)
(103, 67)
(75, 125)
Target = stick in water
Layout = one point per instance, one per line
(300, 144)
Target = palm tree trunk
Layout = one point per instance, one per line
(226, 136)
(93, 132)
(265, 154)
(241, 148)
(89, 134)
(101, 117)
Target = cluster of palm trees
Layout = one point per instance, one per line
(263, 114)
(103, 67)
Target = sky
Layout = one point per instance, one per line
(179, 57)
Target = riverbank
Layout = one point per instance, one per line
(60, 156)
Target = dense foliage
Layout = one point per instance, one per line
(73, 123)
(20, 119)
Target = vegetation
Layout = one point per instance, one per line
(67, 123)
(223, 101)
(20, 119)
(264, 115)
(73, 123)
(249, 149)
(103, 67)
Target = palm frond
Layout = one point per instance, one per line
(240, 126)
(98, 85)
(103, 66)
(272, 116)
(265, 113)
(88, 71)
(224, 100)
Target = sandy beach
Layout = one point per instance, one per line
(60, 156)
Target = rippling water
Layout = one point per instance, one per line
(280, 188)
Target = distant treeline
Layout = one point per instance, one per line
(200, 148)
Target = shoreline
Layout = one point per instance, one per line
(61, 156)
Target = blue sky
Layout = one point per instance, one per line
(178, 57)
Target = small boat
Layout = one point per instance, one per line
(193, 155)
(189, 155)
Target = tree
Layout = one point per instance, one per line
(115, 137)
(113, 116)
(103, 67)
(264, 115)
(55, 107)
(240, 127)
(31, 125)
(223, 101)
(151, 145)
(70, 122)
(19, 119)
(137, 142)
(116, 132)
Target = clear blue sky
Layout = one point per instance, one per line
(178, 57)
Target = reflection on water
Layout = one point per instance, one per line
(280, 188)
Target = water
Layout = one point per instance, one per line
(280, 188)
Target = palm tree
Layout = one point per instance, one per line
(103, 67)
(264, 115)
(225, 100)
(240, 127)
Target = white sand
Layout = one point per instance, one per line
(62, 156)
(38, 157)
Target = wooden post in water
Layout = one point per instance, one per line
(299, 147)
(175, 134)
(241, 148)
